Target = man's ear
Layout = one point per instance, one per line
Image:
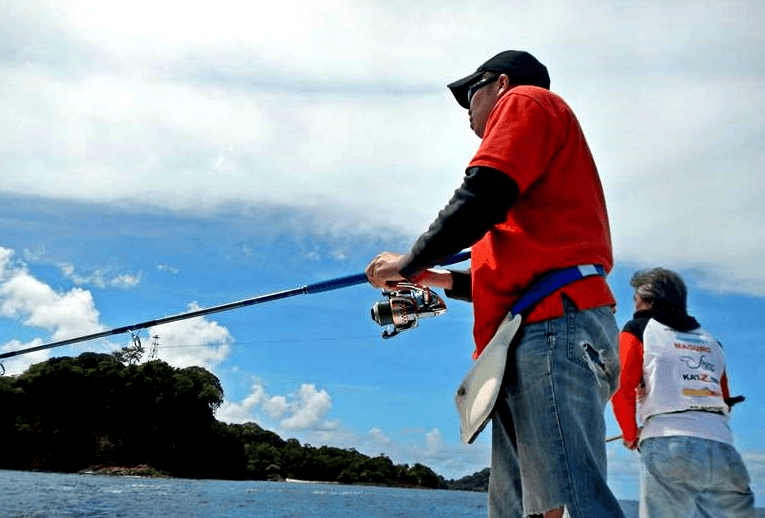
(504, 84)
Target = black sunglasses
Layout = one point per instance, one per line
(477, 86)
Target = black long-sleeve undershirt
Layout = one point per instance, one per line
(481, 202)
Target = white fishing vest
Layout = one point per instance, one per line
(681, 370)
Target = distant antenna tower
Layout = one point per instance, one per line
(154, 347)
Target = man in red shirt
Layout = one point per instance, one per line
(531, 202)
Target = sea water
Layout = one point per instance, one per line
(31, 494)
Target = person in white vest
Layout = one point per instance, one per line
(673, 374)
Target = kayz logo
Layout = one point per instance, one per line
(706, 378)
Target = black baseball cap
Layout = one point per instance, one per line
(521, 67)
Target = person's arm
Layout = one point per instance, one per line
(624, 400)
(462, 288)
(731, 401)
(435, 278)
(481, 202)
(455, 283)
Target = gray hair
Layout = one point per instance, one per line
(664, 288)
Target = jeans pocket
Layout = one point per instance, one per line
(675, 460)
(733, 470)
(661, 463)
(595, 346)
(603, 364)
(594, 352)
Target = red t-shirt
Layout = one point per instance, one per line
(559, 219)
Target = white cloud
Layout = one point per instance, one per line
(167, 268)
(34, 255)
(101, 277)
(275, 406)
(379, 437)
(125, 281)
(6, 256)
(308, 410)
(434, 440)
(242, 411)
(194, 341)
(349, 118)
(305, 409)
(34, 303)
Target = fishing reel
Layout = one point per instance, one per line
(406, 303)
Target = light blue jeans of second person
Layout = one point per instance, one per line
(548, 428)
(690, 477)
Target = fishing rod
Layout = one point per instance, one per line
(422, 302)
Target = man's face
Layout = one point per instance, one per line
(484, 95)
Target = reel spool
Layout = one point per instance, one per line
(406, 304)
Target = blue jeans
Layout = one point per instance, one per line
(548, 429)
(691, 477)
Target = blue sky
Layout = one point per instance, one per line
(160, 156)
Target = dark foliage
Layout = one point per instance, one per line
(476, 482)
(93, 411)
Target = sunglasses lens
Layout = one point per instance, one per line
(470, 93)
(473, 89)
(477, 86)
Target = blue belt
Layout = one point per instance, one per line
(551, 282)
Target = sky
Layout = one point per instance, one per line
(160, 156)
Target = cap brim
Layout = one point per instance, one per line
(460, 87)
